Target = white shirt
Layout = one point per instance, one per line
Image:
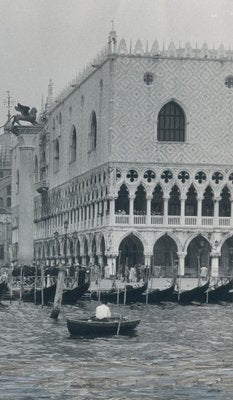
(102, 312)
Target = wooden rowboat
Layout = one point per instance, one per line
(94, 327)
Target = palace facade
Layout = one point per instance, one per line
(134, 163)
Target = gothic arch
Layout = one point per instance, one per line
(172, 236)
(193, 236)
(136, 234)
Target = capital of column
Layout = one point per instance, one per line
(181, 254)
(200, 198)
(112, 196)
(166, 197)
(217, 198)
(183, 197)
(149, 197)
(132, 196)
(214, 254)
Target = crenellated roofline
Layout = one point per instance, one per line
(114, 50)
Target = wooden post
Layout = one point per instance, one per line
(21, 284)
(42, 285)
(11, 284)
(59, 293)
(35, 284)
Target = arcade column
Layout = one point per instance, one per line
(26, 136)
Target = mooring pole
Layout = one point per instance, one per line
(59, 293)
(21, 284)
(35, 284)
(42, 285)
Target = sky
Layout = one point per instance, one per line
(54, 39)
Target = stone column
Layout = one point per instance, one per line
(111, 261)
(147, 258)
(165, 208)
(199, 210)
(214, 264)
(231, 212)
(131, 210)
(26, 137)
(148, 209)
(100, 259)
(111, 210)
(182, 210)
(216, 210)
(181, 265)
(96, 213)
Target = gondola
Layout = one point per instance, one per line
(188, 296)
(128, 295)
(48, 294)
(157, 295)
(3, 289)
(70, 296)
(216, 294)
(93, 327)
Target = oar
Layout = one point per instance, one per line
(119, 326)
(125, 295)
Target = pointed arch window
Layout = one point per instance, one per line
(171, 123)
(73, 145)
(93, 131)
(56, 156)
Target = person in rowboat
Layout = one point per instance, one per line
(102, 311)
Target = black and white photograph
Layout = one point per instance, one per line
(116, 200)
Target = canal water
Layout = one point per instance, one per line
(178, 352)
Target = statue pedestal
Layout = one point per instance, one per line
(26, 136)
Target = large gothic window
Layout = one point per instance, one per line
(93, 131)
(171, 123)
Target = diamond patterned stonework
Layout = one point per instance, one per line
(198, 86)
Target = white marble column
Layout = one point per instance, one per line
(181, 265)
(148, 209)
(214, 264)
(216, 210)
(131, 209)
(199, 210)
(182, 210)
(165, 208)
(112, 210)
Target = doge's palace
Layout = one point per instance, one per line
(135, 158)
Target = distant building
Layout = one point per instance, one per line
(5, 198)
(136, 157)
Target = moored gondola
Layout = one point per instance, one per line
(157, 295)
(128, 295)
(36, 296)
(217, 294)
(189, 296)
(71, 296)
(3, 289)
(94, 327)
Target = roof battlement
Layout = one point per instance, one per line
(140, 50)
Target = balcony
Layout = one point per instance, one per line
(42, 186)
